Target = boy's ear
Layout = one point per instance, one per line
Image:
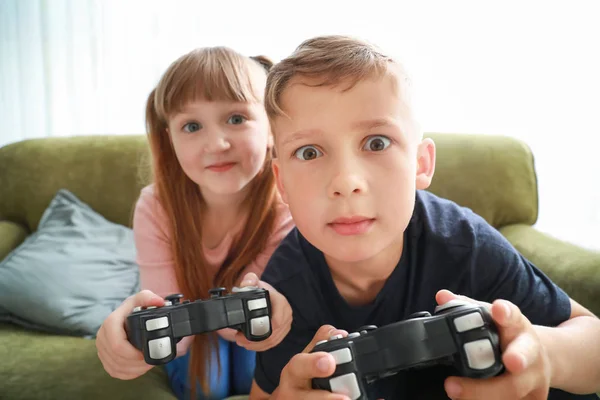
(278, 180)
(425, 163)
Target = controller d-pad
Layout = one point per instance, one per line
(480, 354)
(346, 384)
(342, 356)
(259, 326)
(157, 323)
(468, 322)
(257, 304)
(159, 348)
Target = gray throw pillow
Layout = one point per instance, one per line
(69, 275)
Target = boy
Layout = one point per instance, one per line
(372, 247)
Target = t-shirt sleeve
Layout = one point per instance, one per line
(154, 255)
(499, 271)
(282, 226)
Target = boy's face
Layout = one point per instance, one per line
(347, 165)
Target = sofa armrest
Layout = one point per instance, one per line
(575, 269)
(11, 236)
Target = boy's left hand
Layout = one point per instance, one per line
(527, 366)
(281, 317)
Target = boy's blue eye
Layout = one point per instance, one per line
(377, 143)
(191, 127)
(236, 119)
(307, 153)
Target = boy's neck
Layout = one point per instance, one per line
(360, 282)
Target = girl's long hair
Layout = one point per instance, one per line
(220, 74)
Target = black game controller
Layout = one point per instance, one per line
(157, 330)
(459, 334)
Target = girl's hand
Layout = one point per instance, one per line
(281, 317)
(120, 359)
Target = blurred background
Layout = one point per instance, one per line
(526, 69)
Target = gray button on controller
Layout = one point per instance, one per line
(480, 354)
(468, 322)
(259, 326)
(345, 384)
(257, 304)
(159, 348)
(157, 323)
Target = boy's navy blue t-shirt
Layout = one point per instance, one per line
(445, 247)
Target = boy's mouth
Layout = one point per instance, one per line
(355, 225)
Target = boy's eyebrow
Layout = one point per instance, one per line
(299, 135)
(374, 123)
(360, 125)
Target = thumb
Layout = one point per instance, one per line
(250, 279)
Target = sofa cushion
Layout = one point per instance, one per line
(70, 274)
(44, 366)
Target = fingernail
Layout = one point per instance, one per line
(506, 310)
(249, 282)
(453, 389)
(523, 361)
(323, 364)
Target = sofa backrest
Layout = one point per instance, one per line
(492, 175)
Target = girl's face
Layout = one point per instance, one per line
(221, 145)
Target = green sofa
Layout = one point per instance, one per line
(493, 175)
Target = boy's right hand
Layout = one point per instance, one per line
(296, 376)
(120, 359)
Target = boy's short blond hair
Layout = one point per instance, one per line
(328, 61)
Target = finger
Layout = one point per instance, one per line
(505, 386)
(273, 340)
(509, 320)
(313, 394)
(114, 323)
(303, 367)
(443, 296)
(323, 333)
(522, 352)
(250, 279)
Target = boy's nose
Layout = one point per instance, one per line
(344, 185)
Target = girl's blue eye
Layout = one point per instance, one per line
(191, 127)
(236, 119)
(377, 143)
(307, 153)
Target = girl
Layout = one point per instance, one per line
(211, 217)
